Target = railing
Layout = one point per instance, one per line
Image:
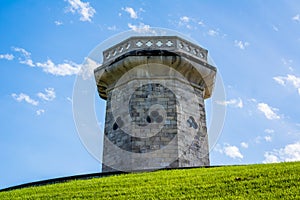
(171, 43)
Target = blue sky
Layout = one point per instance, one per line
(255, 45)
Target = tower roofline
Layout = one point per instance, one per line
(169, 43)
(184, 56)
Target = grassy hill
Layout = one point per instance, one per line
(263, 181)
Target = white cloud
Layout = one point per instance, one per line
(289, 79)
(58, 23)
(212, 32)
(187, 22)
(28, 62)
(185, 19)
(84, 9)
(269, 130)
(193, 24)
(279, 80)
(290, 152)
(201, 23)
(233, 152)
(131, 11)
(22, 51)
(24, 97)
(141, 28)
(240, 44)
(296, 18)
(235, 102)
(7, 56)
(268, 111)
(268, 138)
(244, 145)
(63, 69)
(48, 96)
(240, 104)
(40, 111)
(270, 158)
(230, 151)
(25, 56)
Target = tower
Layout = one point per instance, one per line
(155, 88)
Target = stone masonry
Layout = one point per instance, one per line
(155, 88)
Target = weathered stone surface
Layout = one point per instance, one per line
(155, 117)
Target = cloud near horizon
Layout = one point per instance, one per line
(231, 150)
(289, 153)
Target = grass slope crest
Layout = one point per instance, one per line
(261, 181)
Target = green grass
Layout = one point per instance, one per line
(262, 181)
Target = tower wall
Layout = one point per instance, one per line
(174, 144)
(155, 112)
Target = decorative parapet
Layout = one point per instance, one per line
(170, 43)
(193, 64)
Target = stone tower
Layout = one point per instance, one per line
(155, 88)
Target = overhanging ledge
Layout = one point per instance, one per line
(187, 58)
